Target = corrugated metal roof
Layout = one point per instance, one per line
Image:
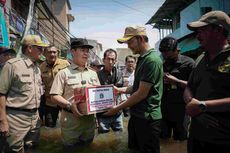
(168, 10)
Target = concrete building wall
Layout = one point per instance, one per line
(192, 13)
(60, 9)
(121, 54)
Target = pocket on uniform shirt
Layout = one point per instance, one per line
(25, 83)
(72, 83)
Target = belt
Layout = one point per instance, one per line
(67, 110)
(33, 110)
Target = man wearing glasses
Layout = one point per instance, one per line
(20, 94)
(49, 69)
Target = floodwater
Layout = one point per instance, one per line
(111, 142)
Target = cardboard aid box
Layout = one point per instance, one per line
(91, 100)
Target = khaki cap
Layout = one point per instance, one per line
(33, 40)
(132, 31)
(213, 17)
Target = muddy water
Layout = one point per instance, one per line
(103, 143)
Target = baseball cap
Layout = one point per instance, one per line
(213, 17)
(33, 40)
(132, 31)
(79, 42)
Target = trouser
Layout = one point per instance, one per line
(24, 129)
(77, 130)
(198, 146)
(42, 108)
(179, 129)
(144, 135)
(51, 115)
(105, 123)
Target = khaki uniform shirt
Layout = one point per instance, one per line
(21, 83)
(48, 74)
(71, 78)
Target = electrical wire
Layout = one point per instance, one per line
(46, 29)
(130, 7)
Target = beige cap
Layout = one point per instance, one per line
(132, 31)
(33, 40)
(213, 17)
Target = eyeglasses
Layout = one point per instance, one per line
(39, 48)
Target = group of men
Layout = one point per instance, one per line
(204, 86)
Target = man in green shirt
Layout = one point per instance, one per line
(146, 92)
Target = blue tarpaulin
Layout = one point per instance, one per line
(4, 39)
(188, 44)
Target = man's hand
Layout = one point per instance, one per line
(168, 78)
(75, 110)
(116, 89)
(192, 108)
(4, 128)
(111, 111)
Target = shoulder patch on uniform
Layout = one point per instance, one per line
(13, 60)
(225, 66)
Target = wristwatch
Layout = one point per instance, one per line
(202, 106)
(68, 106)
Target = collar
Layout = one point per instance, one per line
(147, 53)
(126, 72)
(179, 59)
(57, 62)
(27, 60)
(75, 66)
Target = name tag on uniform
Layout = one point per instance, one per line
(71, 77)
(25, 75)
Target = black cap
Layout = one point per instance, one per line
(10, 51)
(76, 43)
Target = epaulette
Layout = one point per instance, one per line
(13, 60)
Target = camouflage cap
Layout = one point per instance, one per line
(132, 31)
(214, 17)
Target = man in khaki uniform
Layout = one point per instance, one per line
(76, 128)
(20, 96)
(49, 69)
